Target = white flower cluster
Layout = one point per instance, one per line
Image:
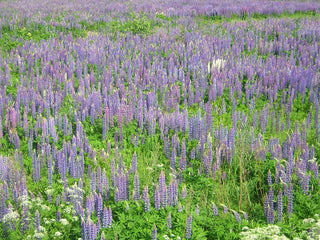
(218, 64)
(57, 234)
(49, 191)
(172, 236)
(269, 232)
(41, 234)
(45, 208)
(314, 231)
(24, 200)
(11, 216)
(69, 209)
(64, 221)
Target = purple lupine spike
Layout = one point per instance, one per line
(134, 163)
(106, 188)
(173, 159)
(245, 215)
(270, 215)
(184, 192)
(110, 217)
(24, 220)
(189, 227)
(214, 209)
(58, 200)
(49, 198)
(280, 206)
(13, 120)
(169, 221)
(270, 198)
(183, 158)
(113, 171)
(136, 187)
(89, 204)
(156, 198)
(237, 216)
(99, 205)
(36, 167)
(162, 181)
(16, 141)
(305, 184)
(103, 237)
(197, 210)
(105, 217)
(104, 126)
(163, 189)
(93, 182)
(58, 215)
(91, 230)
(225, 209)
(117, 194)
(314, 167)
(193, 153)
(290, 199)
(154, 232)
(37, 221)
(1, 128)
(145, 198)
(269, 178)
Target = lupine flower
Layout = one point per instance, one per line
(37, 221)
(136, 187)
(189, 227)
(290, 199)
(214, 209)
(156, 198)
(237, 216)
(145, 198)
(58, 216)
(225, 209)
(169, 223)
(269, 178)
(280, 206)
(134, 163)
(154, 232)
(105, 217)
(103, 237)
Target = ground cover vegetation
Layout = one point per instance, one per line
(159, 120)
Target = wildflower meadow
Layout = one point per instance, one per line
(163, 120)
